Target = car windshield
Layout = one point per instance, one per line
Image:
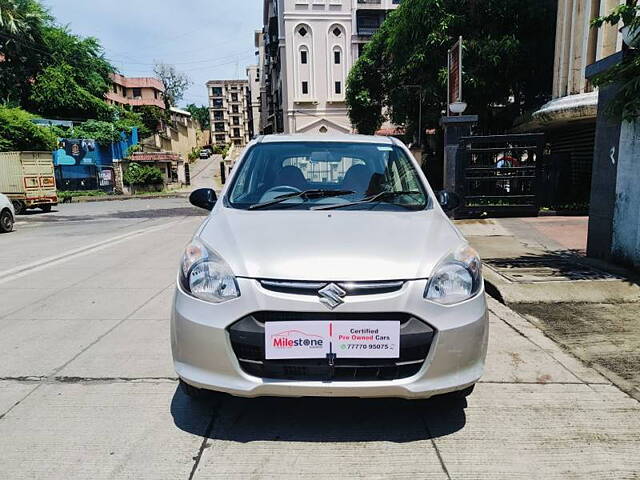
(313, 175)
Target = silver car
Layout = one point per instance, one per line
(328, 267)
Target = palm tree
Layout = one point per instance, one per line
(22, 19)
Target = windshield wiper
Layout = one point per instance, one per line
(375, 198)
(307, 194)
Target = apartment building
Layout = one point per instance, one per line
(135, 91)
(229, 111)
(306, 50)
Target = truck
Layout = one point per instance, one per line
(28, 179)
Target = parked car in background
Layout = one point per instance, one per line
(329, 268)
(204, 153)
(28, 179)
(7, 214)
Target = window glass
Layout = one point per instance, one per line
(363, 170)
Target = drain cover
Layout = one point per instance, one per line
(546, 269)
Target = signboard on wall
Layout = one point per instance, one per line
(454, 94)
(74, 151)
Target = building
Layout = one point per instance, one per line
(229, 110)
(306, 50)
(569, 119)
(253, 100)
(135, 91)
(177, 136)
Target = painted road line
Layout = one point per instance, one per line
(48, 262)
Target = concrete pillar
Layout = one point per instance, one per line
(605, 168)
(454, 129)
(626, 219)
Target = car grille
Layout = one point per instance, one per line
(312, 288)
(247, 341)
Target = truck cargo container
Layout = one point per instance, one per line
(27, 178)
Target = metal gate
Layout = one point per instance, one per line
(500, 175)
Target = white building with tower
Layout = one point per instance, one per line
(306, 49)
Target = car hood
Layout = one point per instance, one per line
(330, 245)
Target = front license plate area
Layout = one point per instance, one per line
(332, 339)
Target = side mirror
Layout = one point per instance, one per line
(449, 201)
(203, 198)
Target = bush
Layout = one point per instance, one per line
(18, 132)
(138, 174)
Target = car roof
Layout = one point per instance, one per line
(307, 137)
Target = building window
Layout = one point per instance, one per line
(137, 92)
(305, 88)
(336, 57)
(219, 127)
(303, 57)
(155, 94)
(216, 91)
(220, 138)
(302, 31)
(338, 88)
(236, 120)
(235, 109)
(115, 88)
(236, 132)
(217, 103)
(337, 32)
(234, 97)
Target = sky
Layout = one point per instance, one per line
(205, 39)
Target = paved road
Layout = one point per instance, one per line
(87, 389)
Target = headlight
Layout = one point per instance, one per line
(457, 278)
(207, 276)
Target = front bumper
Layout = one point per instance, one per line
(203, 355)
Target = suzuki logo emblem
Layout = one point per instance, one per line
(331, 296)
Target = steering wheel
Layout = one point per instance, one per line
(274, 192)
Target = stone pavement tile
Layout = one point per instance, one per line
(134, 349)
(536, 336)
(39, 347)
(159, 307)
(12, 392)
(319, 438)
(13, 299)
(80, 303)
(102, 431)
(547, 432)
(513, 358)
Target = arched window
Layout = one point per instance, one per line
(336, 63)
(303, 65)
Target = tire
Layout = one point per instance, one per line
(45, 208)
(6, 221)
(19, 207)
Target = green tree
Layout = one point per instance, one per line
(626, 74)
(18, 132)
(21, 25)
(200, 114)
(152, 117)
(56, 93)
(138, 174)
(508, 62)
(175, 83)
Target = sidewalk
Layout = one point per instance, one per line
(537, 266)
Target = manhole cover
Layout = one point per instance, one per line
(546, 269)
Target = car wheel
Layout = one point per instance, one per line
(6, 221)
(19, 207)
(45, 208)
